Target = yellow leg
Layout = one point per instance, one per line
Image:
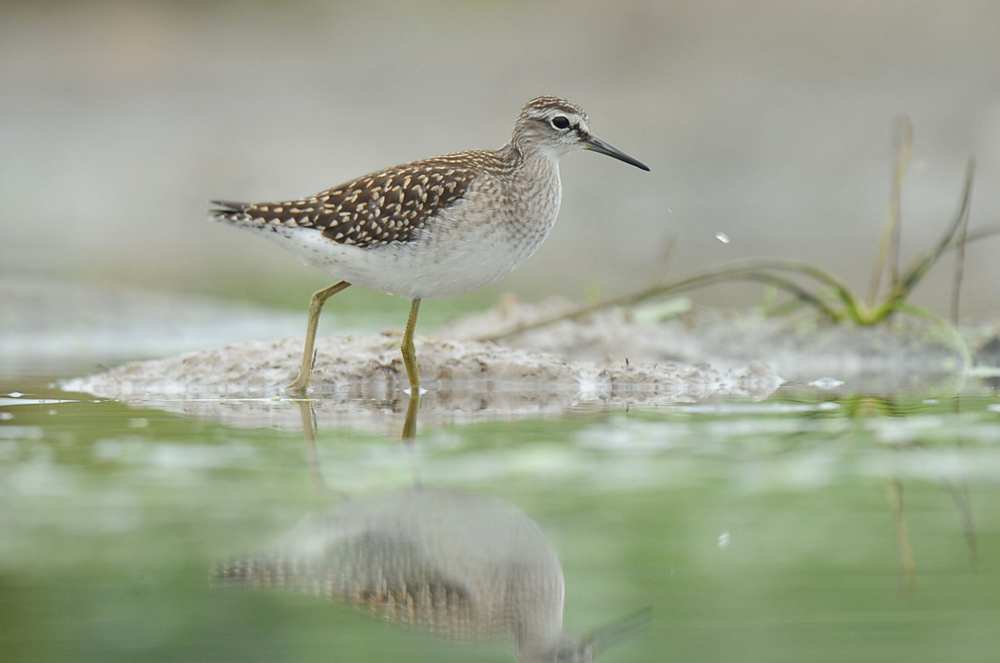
(409, 354)
(315, 306)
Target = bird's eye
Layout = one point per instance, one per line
(560, 122)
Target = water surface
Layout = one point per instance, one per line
(798, 528)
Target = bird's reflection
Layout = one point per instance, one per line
(458, 564)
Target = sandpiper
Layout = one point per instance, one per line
(431, 228)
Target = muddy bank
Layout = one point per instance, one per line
(363, 377)
(902, 355)
(614, 357)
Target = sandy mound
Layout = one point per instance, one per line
(906, 354)
(358, 376)
(613, 357)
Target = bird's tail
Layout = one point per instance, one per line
(271, 570)
(229, 212)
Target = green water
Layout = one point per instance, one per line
(797, 529)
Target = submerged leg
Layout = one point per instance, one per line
(315, 306)
(409, 354)
(410, 423)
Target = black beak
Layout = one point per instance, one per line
(595, 144)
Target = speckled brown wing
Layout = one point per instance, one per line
(387, 206)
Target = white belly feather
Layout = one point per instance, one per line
(466, 247)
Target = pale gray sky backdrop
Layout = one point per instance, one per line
(768, 121)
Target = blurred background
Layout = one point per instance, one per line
(766, 121)
(773, 531)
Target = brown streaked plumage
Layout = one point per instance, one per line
(461, 565)
(374, 210)
(435, 227)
